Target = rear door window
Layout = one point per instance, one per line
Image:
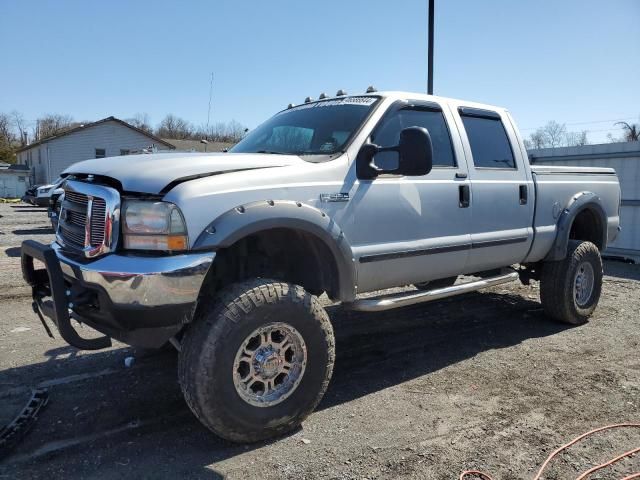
(490, 146)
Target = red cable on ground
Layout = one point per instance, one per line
(610, 462)
(484, 476)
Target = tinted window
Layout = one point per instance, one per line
(489, 143)
(317, 128)
(388, 134)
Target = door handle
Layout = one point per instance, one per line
(464, 196)
(524, 194)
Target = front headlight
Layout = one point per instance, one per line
(152, 225)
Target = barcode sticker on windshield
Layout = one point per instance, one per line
(364, 101)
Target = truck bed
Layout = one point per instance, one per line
(555, 187)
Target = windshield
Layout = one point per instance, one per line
(318, 128)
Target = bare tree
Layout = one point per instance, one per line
(52, 124)
(174, 127)
(231, 132)
(538, 139)
(141, 121)
(20, 125)
(555, 133)
(631, 131)
(576, 139)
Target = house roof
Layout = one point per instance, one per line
(93, 124)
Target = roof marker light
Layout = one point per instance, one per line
(291, 105)
(371, 89)
(322, 96)
(308, 99)
(341, 93)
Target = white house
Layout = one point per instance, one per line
(14, 180)
(108, 137)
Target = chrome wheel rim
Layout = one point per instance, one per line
(583, 284)
(269, 364)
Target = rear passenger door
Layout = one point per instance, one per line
(502, 197)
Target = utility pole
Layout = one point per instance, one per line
(209, 111)
(430, 49)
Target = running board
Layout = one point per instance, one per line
(411, 298)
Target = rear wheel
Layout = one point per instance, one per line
(570, 289)
(257, 361)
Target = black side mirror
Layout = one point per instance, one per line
(416, 151)
(415, 155)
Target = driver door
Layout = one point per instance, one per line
(412, 229)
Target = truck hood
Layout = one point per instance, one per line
(158, 173)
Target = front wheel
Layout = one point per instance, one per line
(257, 361)
(570, 289)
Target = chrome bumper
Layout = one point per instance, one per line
(135, 281)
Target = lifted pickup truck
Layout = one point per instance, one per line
(224, 255)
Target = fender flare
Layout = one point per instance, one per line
(254, 217)
(578, 203)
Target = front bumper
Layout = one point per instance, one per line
(139, 300)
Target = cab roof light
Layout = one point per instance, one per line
(341, 93)
(291, 105)
(322, 96)
(308, 100)
(371, 89)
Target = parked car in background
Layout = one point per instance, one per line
(30, 195)
(39, 195)
(55, 202)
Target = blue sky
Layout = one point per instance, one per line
(573, 61)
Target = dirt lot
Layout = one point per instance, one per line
(483, 381)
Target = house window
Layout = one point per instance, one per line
(101, 153)
(124, 151)
(39, 157)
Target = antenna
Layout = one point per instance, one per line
(210, 94)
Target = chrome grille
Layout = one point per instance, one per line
(88, 218)
(98, 211)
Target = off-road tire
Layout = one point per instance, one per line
(210, 345)
(433, 284)
(557, 284)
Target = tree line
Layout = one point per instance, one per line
(16, 132)
(555, 134)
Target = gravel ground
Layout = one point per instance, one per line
(483, 381)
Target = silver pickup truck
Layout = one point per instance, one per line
(224, 255)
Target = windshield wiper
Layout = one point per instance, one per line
(272, 152)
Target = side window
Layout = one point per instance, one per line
(100, 153)
(490, 146)
(388, 134)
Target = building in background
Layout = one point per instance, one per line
(14, 181)
(625, 159)
(108, 137)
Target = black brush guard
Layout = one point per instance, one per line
(49, 282)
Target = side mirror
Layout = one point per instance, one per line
(415, 155)
(416, 151)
